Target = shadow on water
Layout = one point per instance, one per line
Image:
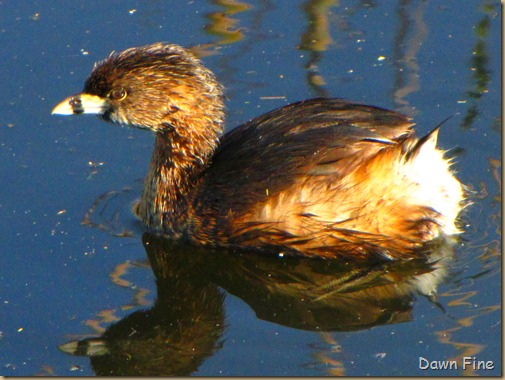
(187, 322)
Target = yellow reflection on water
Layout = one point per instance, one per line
(223, 25)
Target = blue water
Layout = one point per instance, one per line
(427, 59)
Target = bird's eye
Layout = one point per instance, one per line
(118, 94)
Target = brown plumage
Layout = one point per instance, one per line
(321, 177)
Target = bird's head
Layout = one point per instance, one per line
(159, 87)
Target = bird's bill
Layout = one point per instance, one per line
(81, 103)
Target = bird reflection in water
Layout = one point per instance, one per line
(186, 325)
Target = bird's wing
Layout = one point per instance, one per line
(317, 137)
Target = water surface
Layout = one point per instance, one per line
(73, 258)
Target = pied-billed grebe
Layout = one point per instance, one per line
(321, 177)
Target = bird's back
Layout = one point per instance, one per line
(324, 177)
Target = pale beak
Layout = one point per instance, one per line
(82, 103)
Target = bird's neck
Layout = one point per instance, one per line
(176, 166)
